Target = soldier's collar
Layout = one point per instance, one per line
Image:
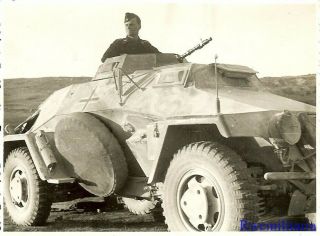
(130, 38)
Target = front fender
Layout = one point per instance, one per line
(164, 139)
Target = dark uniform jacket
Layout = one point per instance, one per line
(128, 46)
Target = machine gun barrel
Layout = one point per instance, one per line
(192, 50)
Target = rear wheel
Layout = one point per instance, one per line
(207, 188)
(26, 196)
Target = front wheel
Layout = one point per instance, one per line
(27, 198)
(207, 188)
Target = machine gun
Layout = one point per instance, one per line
(192, 50)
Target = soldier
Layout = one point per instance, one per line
(132, 44)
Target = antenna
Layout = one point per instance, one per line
(217, 88)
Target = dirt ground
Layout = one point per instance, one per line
(115, 221)
(92, 220)
(120, 220)
(93, 217)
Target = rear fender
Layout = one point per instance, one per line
(62, 172)
(14, 141)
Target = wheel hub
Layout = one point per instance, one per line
(18, 188)
(194, 204)
(200, 203)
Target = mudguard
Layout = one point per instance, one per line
(60, 173)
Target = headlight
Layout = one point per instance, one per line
(286, 126)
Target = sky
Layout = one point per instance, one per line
(68, 38)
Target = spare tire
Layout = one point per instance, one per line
(93, 153)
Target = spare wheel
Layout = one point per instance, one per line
(93, 153)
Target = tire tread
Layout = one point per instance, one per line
(243, 185)
(43, 199)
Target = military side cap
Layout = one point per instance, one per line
(130, 16)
